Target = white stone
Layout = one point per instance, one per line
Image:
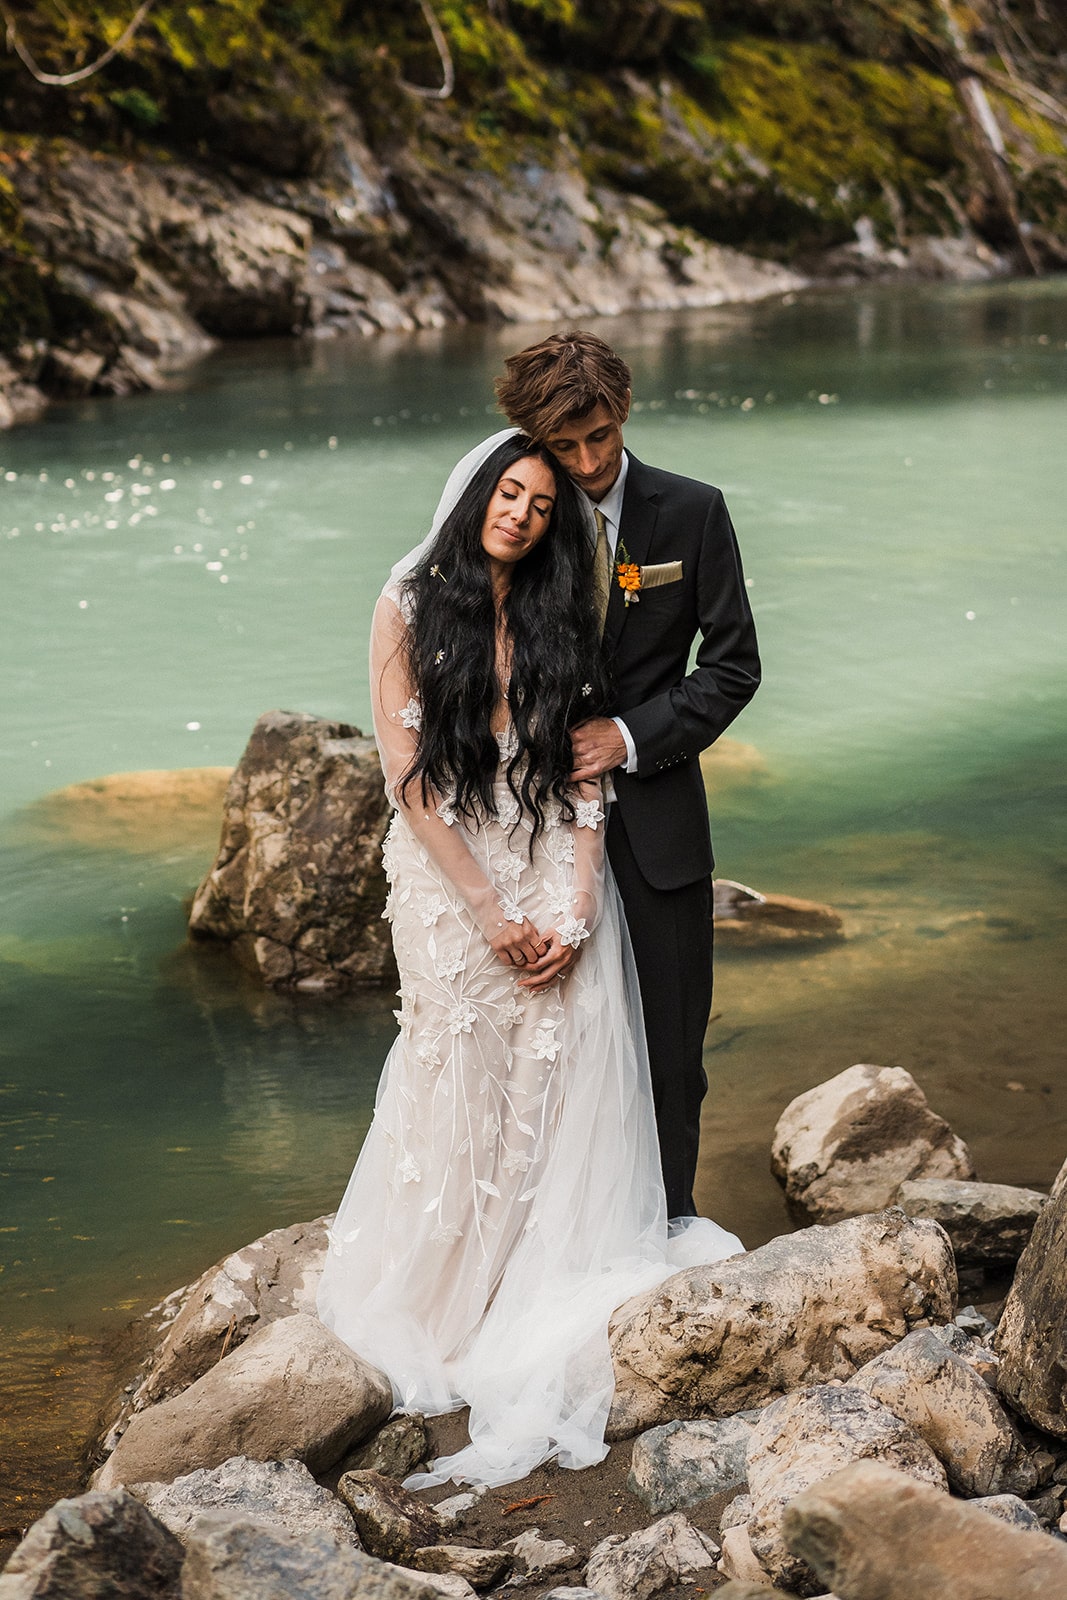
(805, 1308)
(669, 1552)
(845, 1147)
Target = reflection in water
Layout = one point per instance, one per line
(893, 461)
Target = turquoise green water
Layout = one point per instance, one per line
(173, 565)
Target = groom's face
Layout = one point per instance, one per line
(589, 448)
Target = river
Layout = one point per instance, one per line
(177, 563)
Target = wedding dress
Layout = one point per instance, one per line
(508, 1195)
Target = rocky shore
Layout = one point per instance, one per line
(816, 1417)
(276, 178)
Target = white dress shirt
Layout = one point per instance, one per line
(611, 510)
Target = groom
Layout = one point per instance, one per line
(571, 392)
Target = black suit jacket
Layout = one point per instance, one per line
(673, 713)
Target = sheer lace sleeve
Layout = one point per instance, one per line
(588, 833)
(397, 718)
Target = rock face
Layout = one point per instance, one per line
(805, 1308)
(747, 919)
(232, 1557)
(1060, 1180)
(926, 1384)
(683, 1463)
(669, 1552)
(858, 1527)
(145, 262)
(988, 1223)
(805, 1437)
(298, 888)
(96, 1545)
(846, 1146)
(131, 811)
(292, 1390)
(272, 1277)
(392, 1523)
(282, 1493)
(1032, 1334)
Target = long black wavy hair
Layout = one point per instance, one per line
(557, 674)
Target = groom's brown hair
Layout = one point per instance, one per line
(565, 376)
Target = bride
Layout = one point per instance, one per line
(508, 1196)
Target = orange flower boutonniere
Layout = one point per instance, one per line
(627, 575)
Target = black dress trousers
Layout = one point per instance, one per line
(671, 931)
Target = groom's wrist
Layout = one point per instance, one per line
(630, 764)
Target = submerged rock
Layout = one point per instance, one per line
(746, 918)
(298, 887)
(988, 1223)
(856, 1529)
(141, 812)
(291, 1390)
(805, 1308)
(846, 1146)
(93, 1546)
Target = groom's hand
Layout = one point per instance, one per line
(597, 746)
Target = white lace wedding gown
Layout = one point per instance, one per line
(508, 1195)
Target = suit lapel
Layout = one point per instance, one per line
(640, 508)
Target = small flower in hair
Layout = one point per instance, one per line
(587, 689)
(438, 658)
(435, 572)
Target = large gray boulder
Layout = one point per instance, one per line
(805, 1437)
(805, 1308)
(235, 1557)
(682, 1463)
(858, 1528)
(846, 1146)
(669, 1552)
(272, 1277)
(1031, 1337)
(282, 1493)
(926, 1384)
(95, 1547)
(988, 1223)
(291, 1390)
(297, 888)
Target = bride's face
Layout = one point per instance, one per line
(519, 512)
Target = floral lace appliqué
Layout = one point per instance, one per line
(546, 1046)
(450, 963)
(572, 930)
(411, 714)
(429, 907)
(461, 1017)
(510, 1013)
(587, 813)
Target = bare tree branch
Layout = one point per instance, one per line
(448, 71)
(62, 80)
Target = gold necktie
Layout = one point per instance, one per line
(601, 566)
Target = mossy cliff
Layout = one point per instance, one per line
(829, 136)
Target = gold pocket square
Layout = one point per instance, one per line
(664, 572)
